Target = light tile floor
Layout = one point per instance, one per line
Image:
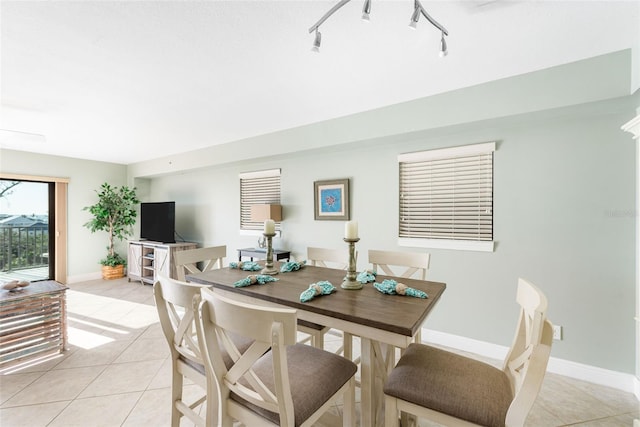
(117, 373)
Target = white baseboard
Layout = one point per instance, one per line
(619, 380)
(84, 277)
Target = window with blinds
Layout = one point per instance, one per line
(447, 195)
(258, 188)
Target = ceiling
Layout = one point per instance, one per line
(129, 81)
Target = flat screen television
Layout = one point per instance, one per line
(158, 221)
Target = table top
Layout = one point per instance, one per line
(392, 313)
(33, 290)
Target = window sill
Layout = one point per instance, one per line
(460, 245)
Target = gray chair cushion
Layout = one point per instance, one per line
(452, 384)
(315, 375)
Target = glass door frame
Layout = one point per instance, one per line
(57, 204)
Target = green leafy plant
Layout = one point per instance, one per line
(114, 213)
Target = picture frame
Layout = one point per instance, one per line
(331, 200)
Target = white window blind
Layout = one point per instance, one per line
(258, 188)
(447, 194)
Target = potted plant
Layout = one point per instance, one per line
(114, 213)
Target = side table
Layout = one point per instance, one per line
(33, 321)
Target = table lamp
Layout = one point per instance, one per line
(261, 213)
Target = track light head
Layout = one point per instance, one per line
(366, 10)
(443, 47)
(414, 17)
(316, 42)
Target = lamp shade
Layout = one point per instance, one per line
(264, 212)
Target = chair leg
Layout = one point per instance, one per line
(318, 340)
(176, 396)
(349, 408)
(347, 346)
(390, 411)
(418, 337)
(212, 409)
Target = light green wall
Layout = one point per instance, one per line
(84, 249)
(564, 198)
(564, 184)
(564, 187)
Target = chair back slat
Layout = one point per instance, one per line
(193, 261)
(412, 262)
(330, 258)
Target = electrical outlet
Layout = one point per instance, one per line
(557, 332)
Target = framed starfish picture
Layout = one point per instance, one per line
(331, 199)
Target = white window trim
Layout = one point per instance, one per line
(260, 174)
(464, 150)
(460, 245)
(464, 245)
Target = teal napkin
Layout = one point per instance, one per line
(260, 279)
(290, 266)
(321, 288)
(366, 276)
(392, 287)
(246, 266)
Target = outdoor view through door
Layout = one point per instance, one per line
(26, 218)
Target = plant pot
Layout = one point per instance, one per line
(110, 273)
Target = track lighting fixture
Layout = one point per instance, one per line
(316, 42)
(413, 23)
(443, 46)
(366, 10)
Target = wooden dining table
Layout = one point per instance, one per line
(381, 321)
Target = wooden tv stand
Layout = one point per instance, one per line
(147, 259)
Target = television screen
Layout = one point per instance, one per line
(158, 221)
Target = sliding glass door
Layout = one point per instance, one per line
(27, 216)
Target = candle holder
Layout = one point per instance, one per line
(268, 266)
(350, 281)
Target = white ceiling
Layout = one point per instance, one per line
(129, 81)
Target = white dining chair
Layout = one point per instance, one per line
(328, 258)
(174, 303)
(401, 264)
(193, 261)
(454, 390)
(275, 382)
(411, 263)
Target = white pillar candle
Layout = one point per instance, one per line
(351, 230)
(269, 227)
